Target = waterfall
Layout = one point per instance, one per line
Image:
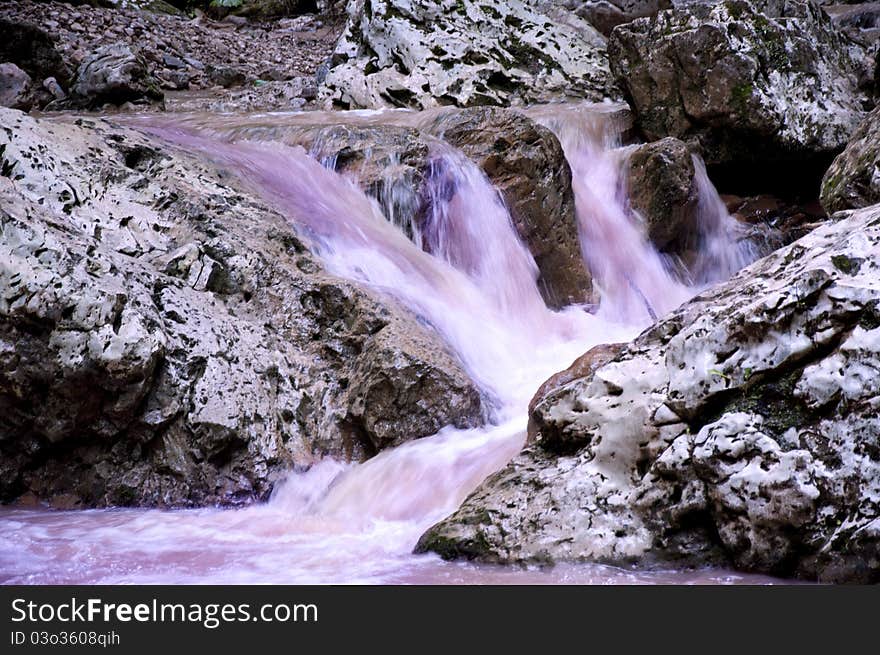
(465, 271)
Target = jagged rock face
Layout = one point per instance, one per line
(114, 74)
(522, 159)
(418, 53)
(166, 338)
(853, 180)
(772, 81)
(741, 429)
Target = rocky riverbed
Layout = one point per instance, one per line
(170, 335)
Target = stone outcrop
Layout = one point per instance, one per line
(167, 339)
(853, 180)
(418, 53)
(748, 82)
(114, 74)
(740, 430)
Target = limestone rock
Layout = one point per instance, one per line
(853, 180)
(415, 53)
(662, 189)
(741, 430)
(768, 81)
(167, 339)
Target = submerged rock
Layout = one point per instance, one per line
(167, 339)
(741, 429)
(114, 74)
(749, 82)
(389, 162)
(853, 180)
(415, 53)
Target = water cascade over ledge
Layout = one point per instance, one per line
(464, 270)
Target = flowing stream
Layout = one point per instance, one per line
(464, 269)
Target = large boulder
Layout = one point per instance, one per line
(750, 83)
(419, 53)
(853, 180)
(740, 430)
(167, 339)
(114, 74)
(663, 189)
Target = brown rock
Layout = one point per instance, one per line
(662, 189)
(526, 164)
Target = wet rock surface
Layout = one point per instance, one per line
(741, 429)
(413, 53)
(853, 180)
(167, 339)
(662, 189)
(746, 82)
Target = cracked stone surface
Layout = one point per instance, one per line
(743, 429)
(415, 53)
(772, 80)
(853, 180)
(167, 339)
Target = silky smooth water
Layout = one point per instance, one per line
(465, 271)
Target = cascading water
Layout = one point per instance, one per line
(463, 269)
(636, 282)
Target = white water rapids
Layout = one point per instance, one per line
(467, 273)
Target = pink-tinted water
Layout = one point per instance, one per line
(467, 273)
